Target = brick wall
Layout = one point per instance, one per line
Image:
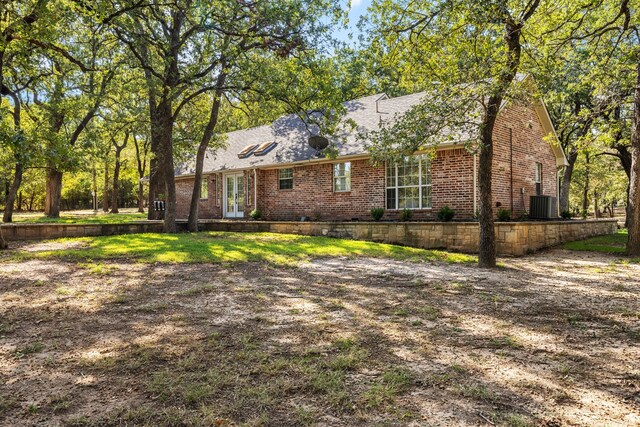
(312, 194)
(529, 147)
(452, 177)
(210, 207)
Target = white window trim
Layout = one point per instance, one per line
(348, 177)
(396, 187)
(280, 179)
(204, 181)
(537, 178)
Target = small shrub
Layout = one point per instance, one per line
(446, 214)
(566, 215)
(376, 213)
(406, 215)
(584, 214)
(504, 214)
(255, 214)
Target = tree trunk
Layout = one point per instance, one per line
(633, 242)
(13, 191)
(585, 191)
(140, 196)
(141, 160)
(116, 185)
(53, 193)
(194, 207)
(625, 159)
(487, 244)
(105, 191)
(512, 33)
(3, 243)
(116, 173)
(94, 192)
(165, 170)
(192, 223)
(627, 208)
(567, 175)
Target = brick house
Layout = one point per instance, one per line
(273, 168)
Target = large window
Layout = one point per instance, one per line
(409, 183)
(204, 188)
(285, 179)
(342, 177)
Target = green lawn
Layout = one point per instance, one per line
(611, 243)
(80, 218)
(233, 247)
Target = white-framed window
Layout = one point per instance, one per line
(538, 173)
(342, 177)
(408, 183)
(538, 179)
(204, 188)
(285, 179)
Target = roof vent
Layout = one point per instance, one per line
(318, 142)
(246, 152)
(265, 148)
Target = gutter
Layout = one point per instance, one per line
(440, 147)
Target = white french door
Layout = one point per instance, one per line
(234, 196)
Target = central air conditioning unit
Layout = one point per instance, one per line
(542, 207)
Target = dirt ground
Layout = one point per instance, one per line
(547, 340)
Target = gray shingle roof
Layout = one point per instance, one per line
(292, 135)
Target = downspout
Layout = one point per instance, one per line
(475, 184)
(511, 167)
(255, 189)
(559, 174)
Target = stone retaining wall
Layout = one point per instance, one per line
(54, 231)
(513, 238)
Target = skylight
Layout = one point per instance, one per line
(265, 148)
(247, 151)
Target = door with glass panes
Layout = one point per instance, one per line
(234, 196)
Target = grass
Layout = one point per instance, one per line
(394, 381)
(78, 218)
(219, 247)
(611, 243)
(31, 348)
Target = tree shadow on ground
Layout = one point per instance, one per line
(353, 342)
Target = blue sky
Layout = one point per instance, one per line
(358, 8)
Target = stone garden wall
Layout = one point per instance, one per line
(513, 238)
(54, 231)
